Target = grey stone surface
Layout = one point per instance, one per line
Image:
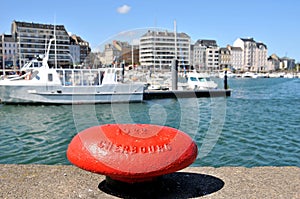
(44, 181)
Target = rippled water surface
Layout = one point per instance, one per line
(258, 125)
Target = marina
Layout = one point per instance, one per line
(36, 82)
(256, 126)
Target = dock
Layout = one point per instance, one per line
(163, 94)
(63, 181)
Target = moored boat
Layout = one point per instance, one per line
(37, 83)
(199, 81)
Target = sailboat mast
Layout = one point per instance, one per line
(55, 56)
(175, 38)
(132, 55)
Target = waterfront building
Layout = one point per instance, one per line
(192, 64)
(84, 48)
(287, 63)
(110, 54)
(129, 54)
(273, 63)
(74, 52)
(236, 57)
(206, 55)
(159, 48)
(224, 58)
(198, 57)
(1, 55)
(8, 51)
(254, 54)
(33, 38)
(119, 52)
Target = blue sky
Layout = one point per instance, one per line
(274, 22)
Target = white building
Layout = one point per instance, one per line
(9, 51)
(236, 58)
(212, 58)
(199, 55)
(254, 54)
(206, 55)
(158, 49)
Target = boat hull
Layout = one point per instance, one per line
(109, 93)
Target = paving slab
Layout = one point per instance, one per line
(66, 181)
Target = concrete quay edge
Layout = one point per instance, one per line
(67, 181)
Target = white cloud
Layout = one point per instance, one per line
(124, 9)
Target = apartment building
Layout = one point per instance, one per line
(119, 52)
(287, 63)
(273, 62)
(254, 54)
(159, 48)
(32, 40)
(206, 55)
(8, 51)
(199, 55)
(224, 58)
(84, 47)
(74, 52)
(236, 57)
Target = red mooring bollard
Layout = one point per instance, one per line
(132, 152)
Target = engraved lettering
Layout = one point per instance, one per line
(105, 145)
(101, 144)
(118, 148)
(134, 149)
(168, 147)
(126, 149)
(109, 146)
(151, 149)
(143, 149)
(159, 148)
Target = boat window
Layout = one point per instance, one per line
(201, 79)
(77, 78)
(61, 76)
(35, 64)
(68, 78)
(50, 77)
(193, 79)
(88, 77)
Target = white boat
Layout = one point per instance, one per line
(229, 74)
(199, 81)
(249, 75)
(40, 84)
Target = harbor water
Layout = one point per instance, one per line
(258, 125)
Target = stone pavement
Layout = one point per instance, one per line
(58, 181)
